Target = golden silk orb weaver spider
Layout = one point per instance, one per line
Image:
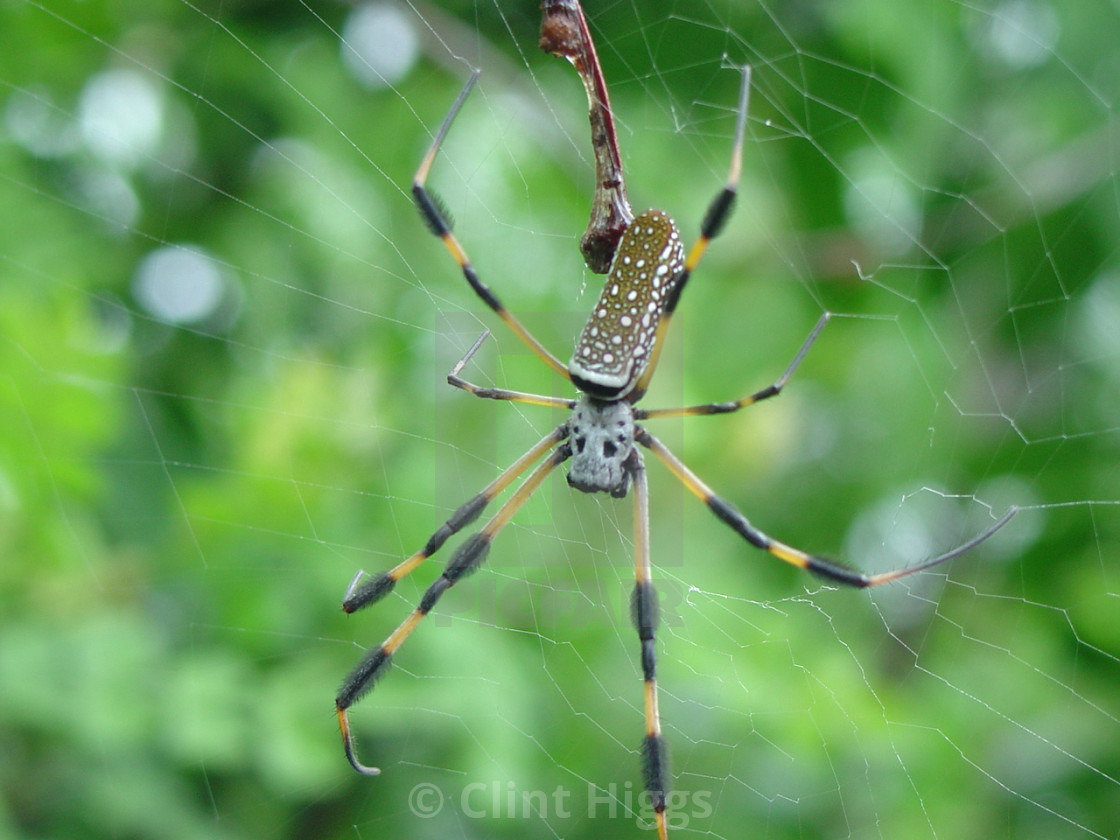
(611, 366)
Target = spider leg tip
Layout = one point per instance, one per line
(364, 770)
(348, 746)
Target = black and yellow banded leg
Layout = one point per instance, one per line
(466, 559)
(714, 219)
(763, 394)
(454, 379)
(439, 223)
(359, 595)
(830, 569)
(644, 613)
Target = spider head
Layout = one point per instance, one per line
(601, 436)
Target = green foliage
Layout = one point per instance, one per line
(182, 501)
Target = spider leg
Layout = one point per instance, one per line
(440, 224)
(379, 585)
(644, 613)
(714, 219)
(466, 559)
(830, 569)
(727, 407)
(453, 378)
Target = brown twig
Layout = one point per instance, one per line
(564, 33)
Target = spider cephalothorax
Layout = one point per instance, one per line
(601, 436)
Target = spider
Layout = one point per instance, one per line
(611, 367)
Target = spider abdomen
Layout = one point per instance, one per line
(617, 341)
(601, 437)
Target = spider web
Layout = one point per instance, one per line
(225, 338)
